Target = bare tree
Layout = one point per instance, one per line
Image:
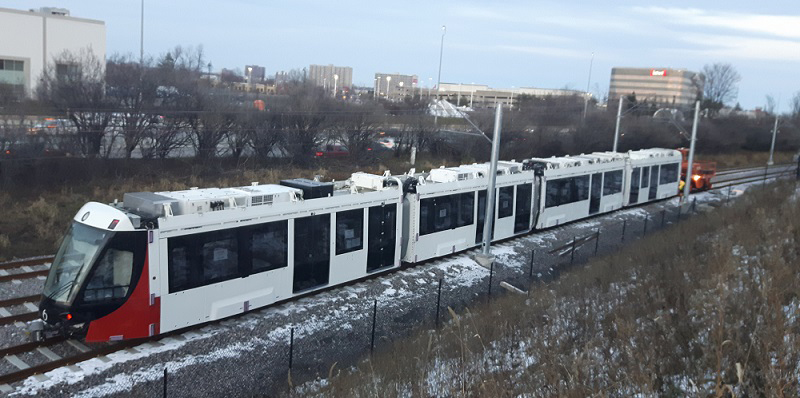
(769, 106)
(796, 105)
(132, 88)
(357, 127)
(721, 83)
(74, 83)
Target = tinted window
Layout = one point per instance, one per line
(612, 182)
(382, 236)
(219, 256)
(505, 202)
(181, 269)
(446, 212)
(349, 231)
(269, 244)
(634, 197)
(563, 191)
(645, 177)
(669, 174)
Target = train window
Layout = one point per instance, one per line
(220, 256)
(446, 212)
(349, 231)
(645, 177)
(612, 182)
(505, 202)
(443, 218)
(566, 190)
(269, 244)
(179, 266)
(669, 174)
(111, 278)
(522, 219)
(466, 208)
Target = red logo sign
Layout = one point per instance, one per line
(655, 72)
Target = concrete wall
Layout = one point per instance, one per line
(38, 38)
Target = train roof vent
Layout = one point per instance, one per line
(148, 204)
(367, 181)
(452, 174)
(268, 194)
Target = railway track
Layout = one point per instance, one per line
(40, 357)
(736, 170)
(29, 302)
(24, 269)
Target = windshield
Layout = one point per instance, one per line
(72, 263)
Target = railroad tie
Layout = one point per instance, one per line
(31, 306)
(48, 353)
(27, 268)
(14, 360)
(78, 345)
(4, 312)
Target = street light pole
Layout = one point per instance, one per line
(690, 163)
(335, 81)
(772, 147)
(388, 80)
(619, 118)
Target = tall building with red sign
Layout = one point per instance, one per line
(675, 88)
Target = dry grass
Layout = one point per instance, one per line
(745, 159)
(709, 307)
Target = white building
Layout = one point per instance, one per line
(31, 39)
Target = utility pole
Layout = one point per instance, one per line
(588, 83)
(141, 37)
(439, 78)
(690, 163)
(485, 258)
(772, 147)
(619, 118)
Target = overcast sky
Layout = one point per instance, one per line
(501, 44)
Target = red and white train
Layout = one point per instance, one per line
(159, 262)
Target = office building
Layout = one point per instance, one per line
(677, 88)
(33, 38)
(394, 85)
(328, 76)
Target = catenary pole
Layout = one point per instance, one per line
(772, 146)
(490, 197)
(619, 119)
(439, 77)
(690, 162)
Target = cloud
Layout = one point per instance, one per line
(738, 47)
(548, 51)
(784, 26)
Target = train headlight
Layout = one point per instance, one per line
(696, 177)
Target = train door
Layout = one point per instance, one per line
(634, 195)
(522, 217)
(382, 236)
(312, 259)
(653, 182)
(482, 217)
(597, 186)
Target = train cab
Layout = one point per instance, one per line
(94, 274)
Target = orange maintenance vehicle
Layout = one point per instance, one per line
(702, 172)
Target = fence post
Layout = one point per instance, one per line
(596, 240)
(291, 347)
(165, 382)
(663, 216)
(624, 224)
(694, 205)
(764, 183)
(572, 255)
(728, 199)
(646, 218)
(438, 303)
(679, 211)
(491, 271)
(530, 274)
(374, 319)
